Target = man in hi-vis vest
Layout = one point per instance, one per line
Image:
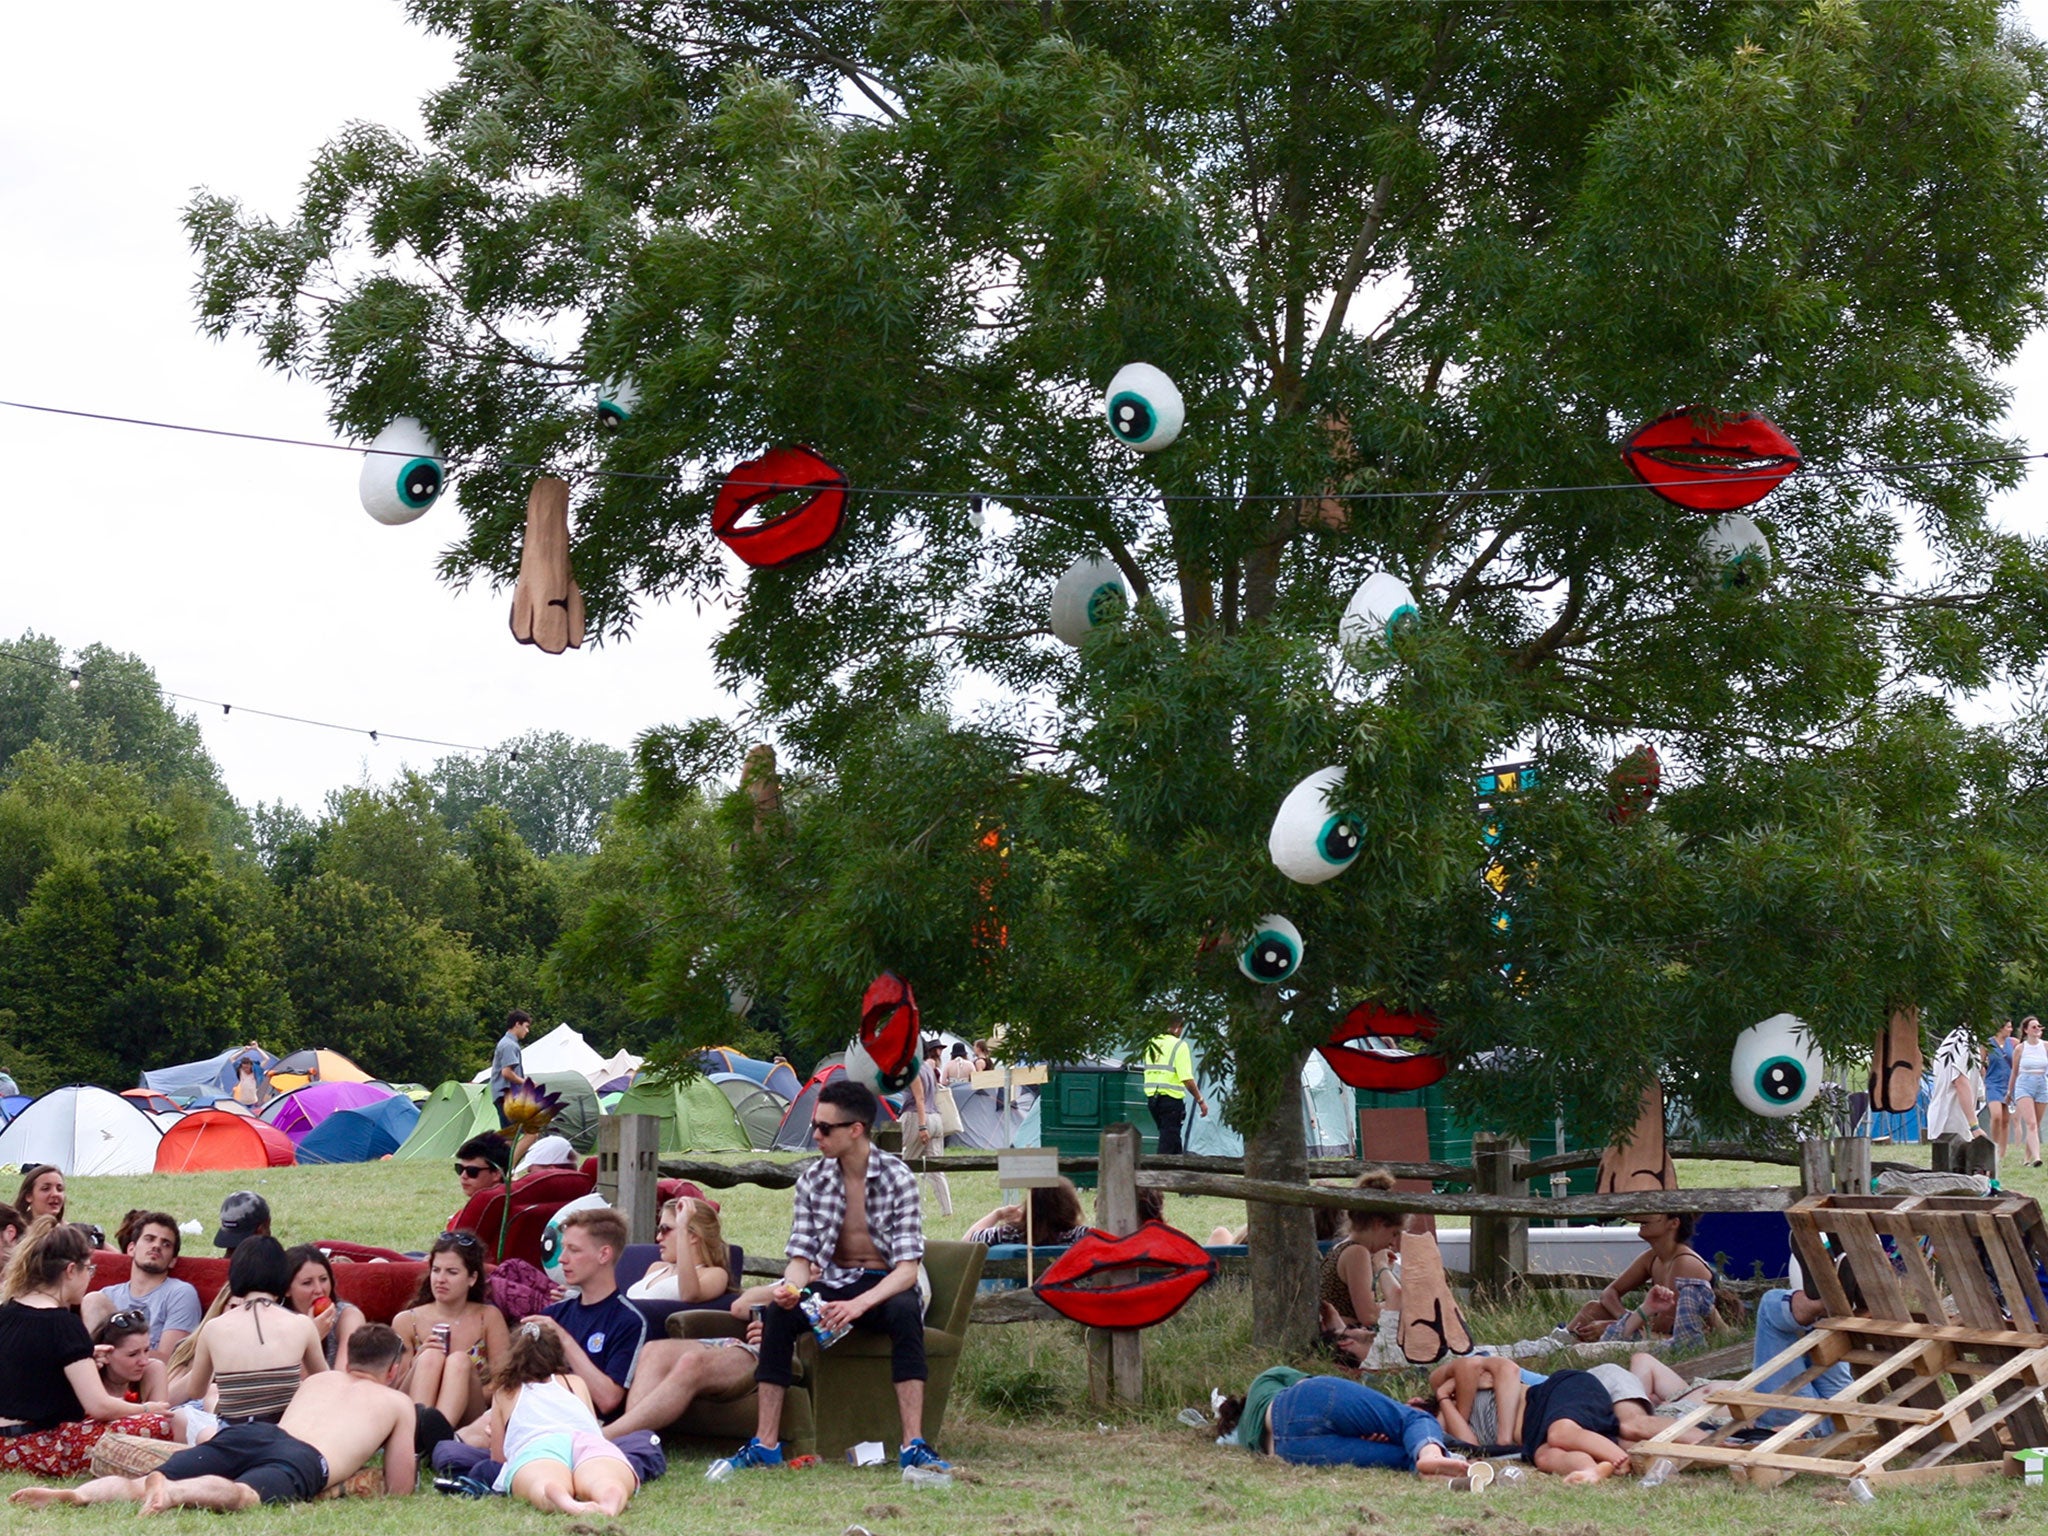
(1169, 1079)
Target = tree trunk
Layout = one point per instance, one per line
(1285, 1267)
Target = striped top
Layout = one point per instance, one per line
(256, 1397)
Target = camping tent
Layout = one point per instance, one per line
(453, 1113)
(13, 1105)
(1329, 1120)
(84, 1131)
(200, 1082)
(318, 1065)
(580, 1109)
(777, 1076)
(298, 1112)
(794, 1134)
(561, 1049)
(361, 1134)
(149, 1099)
(211, 1139)
(758, 1111)
(695, 1115)
(983, 1124)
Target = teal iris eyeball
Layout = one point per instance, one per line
(403, 473)
(1313, 838)
(1089, 595)
(1376, 612)
(1274, 951)
(1776, 1069)
(1144, 408)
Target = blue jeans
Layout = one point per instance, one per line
(1327, 1421)
(1776, 1332)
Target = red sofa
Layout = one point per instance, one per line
(381, 1290)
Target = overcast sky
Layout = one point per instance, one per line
(244, 572)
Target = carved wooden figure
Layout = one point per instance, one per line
(1642, 1163)
(1896, 1065)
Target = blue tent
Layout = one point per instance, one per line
(362, 1134)
(13, 1105)
(778, 1077)
(201, 1082)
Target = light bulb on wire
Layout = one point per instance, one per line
(75, 684)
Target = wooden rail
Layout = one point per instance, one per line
(777, 1175)
(1585, 1207)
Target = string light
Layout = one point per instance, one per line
(907, 493)
(76, 683)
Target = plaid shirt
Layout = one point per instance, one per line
(895, 1218)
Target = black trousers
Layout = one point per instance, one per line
(901, 1317)
(1168, 1111)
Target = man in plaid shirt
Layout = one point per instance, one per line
(855, 1241)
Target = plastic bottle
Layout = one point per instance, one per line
(1861, 1491)
(927, 1477)
(1660, 1472)
(1510, 1472)
(814, 1308)
(1194, 1418)
(719, 1470)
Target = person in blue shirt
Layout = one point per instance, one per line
(601, 1331)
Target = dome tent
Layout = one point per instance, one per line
(695, 1115)
(318, 1065)
(362, 1133)
(84, 1131)
(208, 1140)
(794, 1134)
(453, 1113)
(758, 1111)
(580, 1110)
(201, 1082)
(297, 1112)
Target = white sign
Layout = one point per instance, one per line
(1028, 1168)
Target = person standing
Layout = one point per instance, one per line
(1169, 1080)
(924, 1127)
(508, 1061)
(1998, 1075)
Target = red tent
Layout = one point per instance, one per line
(209, 1139)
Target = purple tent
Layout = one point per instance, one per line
(298, 1112)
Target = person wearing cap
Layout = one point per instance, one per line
(244, 1214)
(508, 1061)
(548, 1152)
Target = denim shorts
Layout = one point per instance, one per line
(2032, 1085)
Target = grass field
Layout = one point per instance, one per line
(1034, 1458)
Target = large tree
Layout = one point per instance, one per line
(1425, 257)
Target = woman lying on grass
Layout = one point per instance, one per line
(1329, 1421)
(547, 1435)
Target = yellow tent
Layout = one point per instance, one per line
(315, 1066)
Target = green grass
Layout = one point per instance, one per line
(1036, 1458)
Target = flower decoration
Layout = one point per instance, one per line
(529, 1110)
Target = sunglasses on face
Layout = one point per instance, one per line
(472, 1170)
(662, 1231)
(827, 1127)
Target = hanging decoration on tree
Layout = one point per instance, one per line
(1897, 1066)
(1381, 605)
(1703, 465)
(1642, 1162)
(766, 538)
(1274, 953)
(1736, 555)
(1313, 840)
(1126, 1282)
(1089, 595)
(1144, 408)
(551, 1235)
(1364, 1050)
(1432, 1325)
(547, 605)
(885, 1054)
(1776, 1068)
(402, 473)
(1633, 783)
(617, 400)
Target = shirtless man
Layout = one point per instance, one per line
(1670, 1259)
(856, 1239)
(336, 1422)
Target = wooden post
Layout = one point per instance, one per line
(628, 1154)
(1852, 1165)
(1500, 1244)
(1816, 1176)
(1963, 1154)
(1116, 1370)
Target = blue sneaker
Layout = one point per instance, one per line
(918, 1454)
(749, 1457)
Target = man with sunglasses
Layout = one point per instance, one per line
(151, 1241)
(856, 1241)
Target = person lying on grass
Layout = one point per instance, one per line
(1479, 1398)
(1569, 1428)
(336, 1422)
(546, 1433)
(1330, 1421)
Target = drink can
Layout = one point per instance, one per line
(443, 1332)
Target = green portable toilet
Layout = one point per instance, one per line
(452, 1114)
(1079, 1103)
(695, 1115)
(1450, 1138)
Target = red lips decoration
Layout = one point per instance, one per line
(1172, 1265)
(1735, 465)
(1383, 1071)
(890, 1029)
(1633, 782)
(789, 535)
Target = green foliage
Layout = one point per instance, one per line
(554, 788)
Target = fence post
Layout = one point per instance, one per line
(1500, 1244)
(628, 1155)
(1116, 1368)
(1852, 1165)
(1816, 1176)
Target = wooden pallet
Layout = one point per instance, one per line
(1949, 1357)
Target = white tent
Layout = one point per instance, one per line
(560, 1050)
(84, 1131)
(619, 1064)
(1329, 1123)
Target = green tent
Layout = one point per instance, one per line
(453, 1113)
(760, 1112)
(580, 1110)
(695, 1116)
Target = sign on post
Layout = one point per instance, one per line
(1028, 1169)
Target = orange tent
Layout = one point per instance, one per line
(210, 1139)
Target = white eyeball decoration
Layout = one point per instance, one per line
(551, 1237)
(1380, 606)
(402, 473)
(1274, 953)
(1313, 840)
(1089, 595)
(1144, 408)
(1736, 554)
(617, 400)
(1776, 1068)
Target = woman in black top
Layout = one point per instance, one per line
(53, 1405)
